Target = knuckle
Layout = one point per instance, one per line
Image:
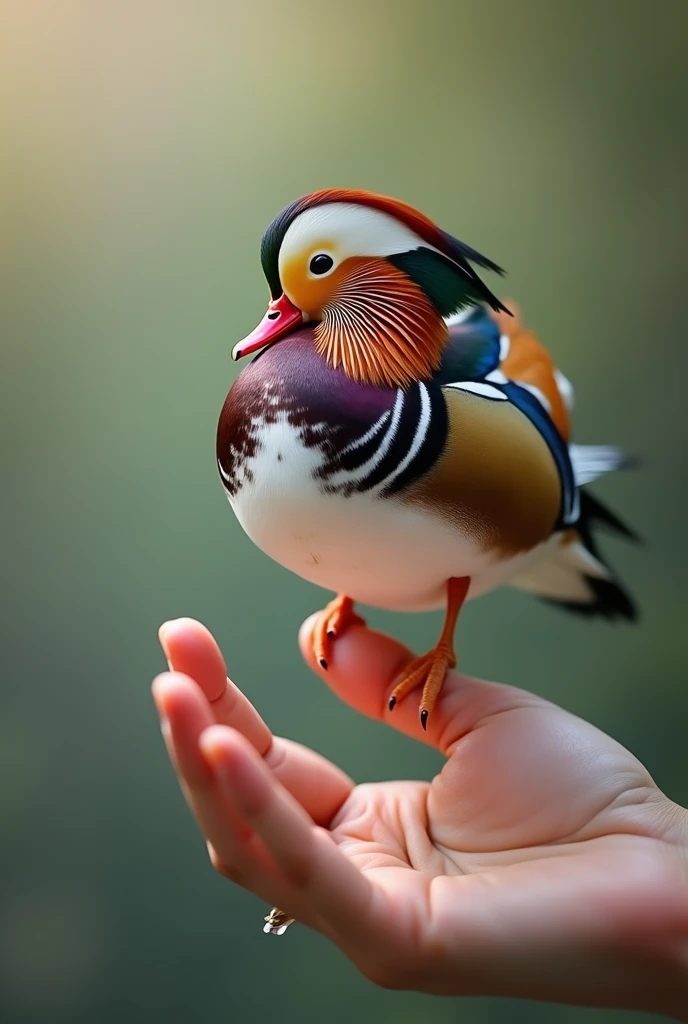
(230, 873)
(275, 755)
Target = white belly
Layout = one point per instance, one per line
(377, 550)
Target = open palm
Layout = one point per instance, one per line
(541, 862)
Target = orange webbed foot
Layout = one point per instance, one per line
(331, 622)
(430, 671)
(431, 668)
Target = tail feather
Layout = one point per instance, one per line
(591, 461)
(609, 601)
(592, 511)
(573, 574)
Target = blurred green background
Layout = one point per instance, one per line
(145, 146)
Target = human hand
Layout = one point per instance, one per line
(542, 862)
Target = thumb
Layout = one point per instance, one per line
(365, 667)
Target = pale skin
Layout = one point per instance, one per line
(542, 862)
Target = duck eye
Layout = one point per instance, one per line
(321, 263)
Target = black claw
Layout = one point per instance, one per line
(424, 718)
(392, 703)
(323, 663)
(331, 633)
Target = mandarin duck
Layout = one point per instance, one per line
(401, 439)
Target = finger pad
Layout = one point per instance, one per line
(191, 649)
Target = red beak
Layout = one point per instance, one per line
(282, 316)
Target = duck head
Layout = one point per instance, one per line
(374, 277)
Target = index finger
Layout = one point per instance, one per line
(365, 668)
(314, 781)
(191, 649)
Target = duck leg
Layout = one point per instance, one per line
(331, 622)
(431, 668)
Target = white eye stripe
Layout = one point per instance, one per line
(342, 230)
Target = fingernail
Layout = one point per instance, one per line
(162, 637)
(164, 720)
(157, 700)
(208, 748)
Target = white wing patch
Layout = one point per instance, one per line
(565, 389)
(478, 387)
(535, 391)
(497, 377)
